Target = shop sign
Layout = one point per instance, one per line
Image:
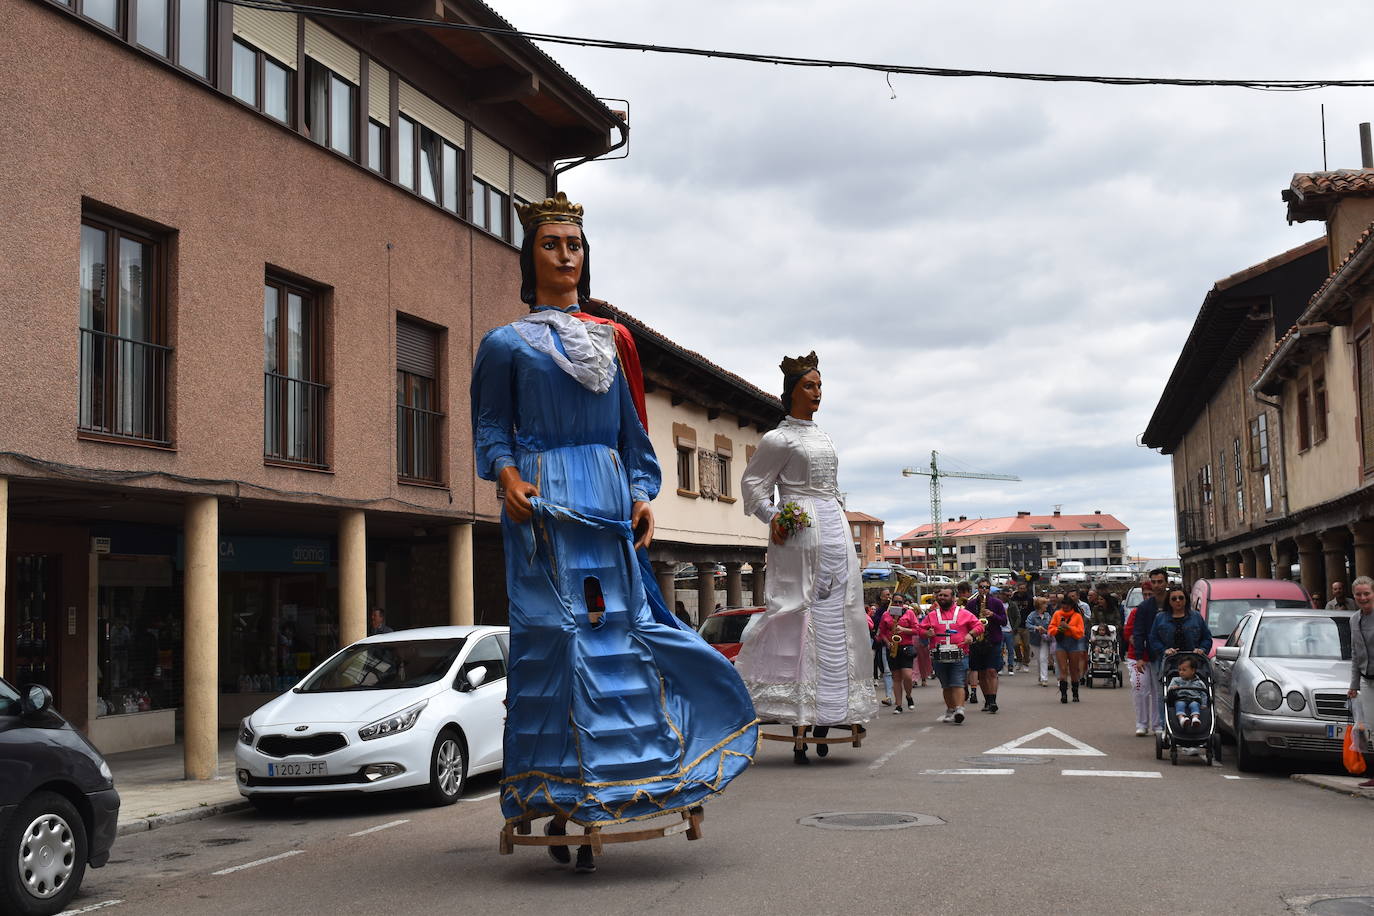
(100, 545)
(250, 554)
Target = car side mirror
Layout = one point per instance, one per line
(37, 700)
(1228, 653)
(475, 677)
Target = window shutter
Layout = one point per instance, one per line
(271, 31)
(378, 93)
(431, 114)
(417, 349)
(530, 184)
(332, 51)
(491, 162)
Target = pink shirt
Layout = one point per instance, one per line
(908, 620)
(965, 623)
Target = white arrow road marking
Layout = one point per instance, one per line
(968, 771)
(1076, 749)
(387, 826)
(284, 855)
(892, 753)
(1124, 774)
(94, 906)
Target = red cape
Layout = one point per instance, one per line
(629, 362)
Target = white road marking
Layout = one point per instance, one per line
(94, 906)
(387, 826)
(926, 729)
(285, 855)
(1018, 746)
(968, 771)
(1125, 774)
(1224, 776)
(892, 753)
(480, 797)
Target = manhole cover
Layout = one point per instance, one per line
(1002, 760)
(869, 820)
(1343, 906)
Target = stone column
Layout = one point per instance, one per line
(1283, 559)
(663, 573)
(734, 585)
(1364, 549)
(4, 561)
(460, 602)
(352, 576)
(200, 640)
(1247, 563)
(1209, 567)
(1334, 544)
(706, 590)
(1264, 562)
(1310, 563)
(760, 581)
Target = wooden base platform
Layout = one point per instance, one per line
(854, 736)
(520, 833)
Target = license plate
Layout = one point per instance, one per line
(1336, 731)
(299, 769)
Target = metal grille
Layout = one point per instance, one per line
(417, 443)
(123, 387)
(293, 419)
(1332, 706)
(308, 746)
(1321, 745)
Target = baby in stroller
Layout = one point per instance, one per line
(1189, 693)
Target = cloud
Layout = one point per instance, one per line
(1001, 271)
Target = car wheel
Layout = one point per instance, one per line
(1246, 760)
(43, 854)
(448, 769)
(272, 805)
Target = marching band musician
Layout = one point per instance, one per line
(897, 634)
(985, 656)
(951, 630)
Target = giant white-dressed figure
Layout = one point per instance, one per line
(809, 661)
(615, 711)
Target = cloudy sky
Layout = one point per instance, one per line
(1002, 271)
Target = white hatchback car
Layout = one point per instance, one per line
(414, 709)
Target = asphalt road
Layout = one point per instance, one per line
(1023, 836)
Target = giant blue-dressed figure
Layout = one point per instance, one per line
(616, 712)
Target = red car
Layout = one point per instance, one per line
(1222, 602)
(725, 629)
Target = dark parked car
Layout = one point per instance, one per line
(58, 804)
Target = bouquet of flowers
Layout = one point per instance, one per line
(793, 518)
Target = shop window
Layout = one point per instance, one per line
(419, 421)
(260, 81)
(294, 390)
(124, 358)
(275, 625)
(138, 636)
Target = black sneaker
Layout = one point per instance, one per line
(585, 863)
(910, 703)
(559, 854)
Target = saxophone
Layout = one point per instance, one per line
(983, 619)
(894, 642)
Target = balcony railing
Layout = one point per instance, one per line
(293, 420)
(123, 387)
(1190, 531)
(418, 436)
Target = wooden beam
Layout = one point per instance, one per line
(712, 413)
(498, 84)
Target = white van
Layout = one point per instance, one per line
(1070, 571)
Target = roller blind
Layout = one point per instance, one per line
(430, 113)
(378, 93)
(271, 31)
(530, 183)
(332, 51)
(417, 349)
(491, 162)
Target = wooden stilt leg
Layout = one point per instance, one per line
(594, 835)
(507, 847)
(857, 735)
(693, 817)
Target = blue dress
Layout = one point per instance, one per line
(635, 716)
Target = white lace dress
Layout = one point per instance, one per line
(809, 659)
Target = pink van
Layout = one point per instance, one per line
(1222, 602)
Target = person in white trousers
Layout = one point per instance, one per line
(1144, 694)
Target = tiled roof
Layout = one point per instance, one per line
(1020, 524)
(861, 517)
(1310, 194)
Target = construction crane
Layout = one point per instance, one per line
(935, 475)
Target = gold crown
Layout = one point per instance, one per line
(556, 209)
(799, 365)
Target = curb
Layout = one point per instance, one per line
(155, 821)
(1334, 784)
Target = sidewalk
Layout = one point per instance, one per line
(1346, 785)
(153, 792)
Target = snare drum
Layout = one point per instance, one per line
(948, 652)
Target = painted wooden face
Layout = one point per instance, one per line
(558, 257)
(806, 395)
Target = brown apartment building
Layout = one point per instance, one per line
(249, 256)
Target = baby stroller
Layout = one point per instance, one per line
(1104, 656)
(1204, 735)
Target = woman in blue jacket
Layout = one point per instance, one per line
(1178, 629)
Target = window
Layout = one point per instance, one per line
(968, 548)
(105, 12)
(1364, 385)
(178, 30)
(419, 421)
(293, 366)
(1259, 442)
(489, 208)
(684, 468)
(1304, 419)
(261, 81)
(1319, 407)
(723, 476)
(124, 359)
(329, 107)
(377, 146)
(1204, 483)
(486, 654)
(429, 165)
(517, 230)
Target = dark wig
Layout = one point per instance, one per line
(789, 384)
(584, 285)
